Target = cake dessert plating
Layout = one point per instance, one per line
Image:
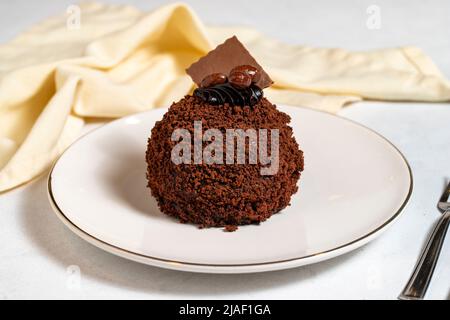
(224, 156)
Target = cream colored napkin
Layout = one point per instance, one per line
(120, 61)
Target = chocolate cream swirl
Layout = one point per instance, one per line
(226, 93)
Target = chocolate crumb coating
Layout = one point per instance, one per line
(221, 195)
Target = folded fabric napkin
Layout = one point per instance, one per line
(120, 61)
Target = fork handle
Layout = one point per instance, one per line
(420, 278)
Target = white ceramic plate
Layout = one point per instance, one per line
(355, 184)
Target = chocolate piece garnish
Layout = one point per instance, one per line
(250, 70)
(240, 79)
(213, 79)
(223, 59)
(227, 93)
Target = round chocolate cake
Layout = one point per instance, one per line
(225, 193)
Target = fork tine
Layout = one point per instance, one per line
(446, 194)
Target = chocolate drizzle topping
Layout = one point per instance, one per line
(226, 93)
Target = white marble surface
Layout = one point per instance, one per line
(37, 251)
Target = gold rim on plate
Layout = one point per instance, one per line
(130, 254)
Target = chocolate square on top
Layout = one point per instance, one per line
(222, 59)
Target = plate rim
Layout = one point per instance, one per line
(226, 268)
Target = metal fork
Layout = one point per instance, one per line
(420, 279)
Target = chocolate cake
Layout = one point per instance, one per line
(224, 156)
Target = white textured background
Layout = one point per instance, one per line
(36, 249)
